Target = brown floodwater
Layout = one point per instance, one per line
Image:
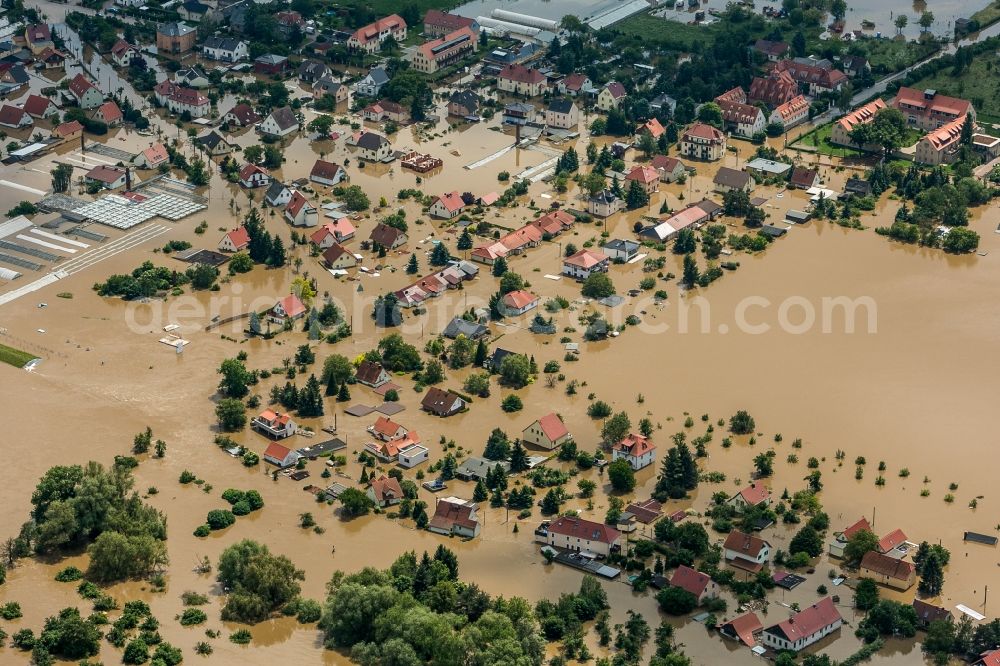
(916, 392)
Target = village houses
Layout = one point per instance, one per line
(581, 535)
(703, 142)
(581, 264)
(804, 628)
(274, 424)
(548, 432)
(280, 122)
(454, 516)
(290, 307)
(300, 212)
(370, 37)
(371, 374)
(235, 240)
(698, 584)
(521, 80)
(745, 551)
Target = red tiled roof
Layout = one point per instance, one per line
(371, 31)
(739, 113)
(703, 131)
(652, 126)
(989, 659)
(616, 89)
(811, 74)
(386, 487)
(861, 115)
(643, 174)
(80, 85)
(11, 115)
(386, 427)
(385, 235)
(39, 32)
(690, 580)
(745, 626)
(452, 201)
(745, 544)
(553, 426)
(574, 81)
(668, 164)
(239, 237)
(67, 129)
(292, 306)
(105, 174)
(276, 451)
(646, 511)
(250, 169)
(803, 177)
(891, 540)
(776, 89)
(36, 105)
(324, 169)
(579, 528)
(335, 252)
(446, 21)
(792, 107)
(859, 526)
(946, 135)
(635, 445)
(521, 74)
(737, 95)
(244, 114)
(519, 299)
(518, 238)
(368, 371)
(180, 94)
(808, 621)
(449, 514)
(431, 50)
(296, 204)
(586, 258)
(754, 494)
(887, 566)
(916, 102)
(110, 113)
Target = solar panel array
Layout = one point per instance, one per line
(121, 213)
(23, 263)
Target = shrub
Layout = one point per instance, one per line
(192, 616)
(512, 403)
(69, 574)
(202, 531)
(241, 637)
(187, 477)
(190, 598)
(218, 519)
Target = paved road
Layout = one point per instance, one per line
(880, 86)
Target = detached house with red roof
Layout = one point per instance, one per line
(793, 112)
(804, 628)
(85, 93)
(109, 114)
(637, 450)
(521, 80)
(894, 544)
(38, 37)
(575, 84)
(518, 302)
(371, 373)
(455, 516)
(941, 146)
(548, 432)
(327, 173)
(581, 535)
(775, 90)
(241, 115)
(51, 59)
(369, 38)
(738, 117)
(611, 96)
(647, 177)
(447, 206)
(289, 307)
(281, 456)
(840, 539)
(338, 231)
(68, 131)
(553, 223)
(889, 571)
(152, 157)
(700, 585)
(745, 629)
(234, 241)
(108, 177)
(753, 495)
(274, 424)
(252, 175)
(651, 127)
(585, 262)
(385, 491)
(299, 212)
(180, 99)
(14, 117)
(991, 658)
(703, 142)
(745, 551)
(123, 53)
(817, 78)
(338, 257)
(37, 106)
(669, 168)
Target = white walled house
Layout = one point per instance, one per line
(580, 535)
(548, 432)
(274, 424)
(746, 551)
(585, 262)
(804, 628)
(639, 451)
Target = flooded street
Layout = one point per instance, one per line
(916, 390)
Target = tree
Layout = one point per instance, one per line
(386, 311)
(354, 503)
(321, 124)
(355, 198)
(676, 601)
(432, 373)
(799, 44)
(808, 541)
(901, 21)
(412, 267)
(931, 575)
(838, 9)
(598, 285)
(711, 114)
(512, 403)
(741, 423)
(440, 255)
(62, 177)
(690, 272)
(960, 241)
(515, 371)
(887, 130)
(277, 257)
(240, 263)
(259, 583)
(115, 556)
(481, 351)
(621, 475)
(857, 545)
(344, 393)
(686, 242)
(66, 635)
(480, 494)
(497, 446)
(136, 652)
(235, 378)
(478, 383)
(616, 428)
(736, 203)
(926, 21)
(636, 197)
(551, 501)
(511, 281)
(499, 267)
(865, 594)
(232, 414)
(464, 241)
(518, 458)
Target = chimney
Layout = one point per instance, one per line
(83, 144)
(128, 179)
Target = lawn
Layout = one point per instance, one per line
(987, 15)
(890, 55)
(819, 140)
(979, 83)
(14, 357)
(387, 7)
(655, 29)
